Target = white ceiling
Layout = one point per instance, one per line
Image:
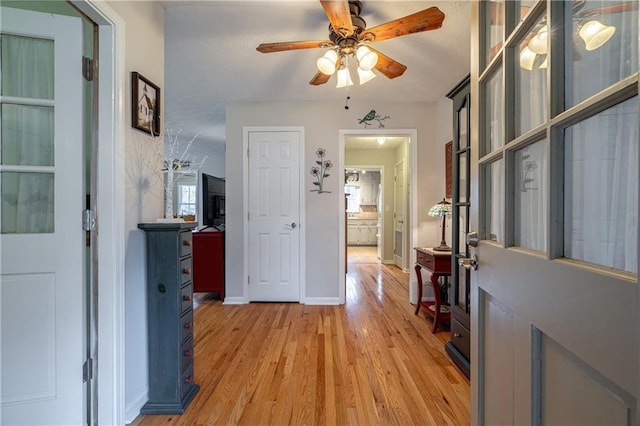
(211, 57)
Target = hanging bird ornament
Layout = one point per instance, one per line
(373, 116)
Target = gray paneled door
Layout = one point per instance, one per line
(554, 301)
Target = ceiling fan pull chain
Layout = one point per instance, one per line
(346, 102)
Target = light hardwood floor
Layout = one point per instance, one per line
(368, 362)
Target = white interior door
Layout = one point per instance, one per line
(274, 215)
(41, 181)
(555, 335)
(399, 215)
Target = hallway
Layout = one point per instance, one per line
(371, 361)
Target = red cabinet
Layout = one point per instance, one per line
(208, 261)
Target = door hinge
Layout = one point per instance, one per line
(248, 216)
(88, 220)
(248, 153)
(88, 68)
(87, 370)
(248, 279)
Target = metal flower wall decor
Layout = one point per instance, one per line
(319, 171)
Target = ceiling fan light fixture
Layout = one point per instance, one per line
(327, 63)
(538, 44)
(365, 75)
(595, 34)
(527, 58)
(344, 78)
(544, 64)
(366, 58)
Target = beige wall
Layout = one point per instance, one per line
(322, 122)
(144, 22)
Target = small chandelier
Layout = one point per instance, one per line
(337, 59)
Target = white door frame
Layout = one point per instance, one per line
(111, 207)
(245, 206)
(412, 161)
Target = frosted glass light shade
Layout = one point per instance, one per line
(538, 44)
(527, 57)
(365, 75)
(544, 64)
(327, 63)
(595, 34)
(366, 58)
(344, 78)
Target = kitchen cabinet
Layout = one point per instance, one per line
(362, 232)
(369, 188)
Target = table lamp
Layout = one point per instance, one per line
(441, 209)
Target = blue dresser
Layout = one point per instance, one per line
(169, 317)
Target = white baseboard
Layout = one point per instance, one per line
(388, 262)
(322, 301)
(235, 301)
(133, 408)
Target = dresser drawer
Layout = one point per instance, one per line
(185, 243)
(186, 296)
(186, 271)
(425, 260)
(460, 337)
(186, 354)
(186, 326)
(187, 381)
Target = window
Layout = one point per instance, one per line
(353, 198)
(559, 129)
(186, 199)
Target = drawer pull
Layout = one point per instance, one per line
(188, 352)
(187, 243)
(188, 325)
(186, 271)
(457, 335)
(189, 380)
(186, 298)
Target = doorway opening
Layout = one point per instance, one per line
(376, 224)
(363, 191)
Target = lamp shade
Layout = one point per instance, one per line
(538, 43)
(595, 34)
(366, 58)
(443, 208)
(344, 78)
(527, 58)
(365, 75)
(327, 63)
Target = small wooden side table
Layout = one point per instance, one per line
(439, 264)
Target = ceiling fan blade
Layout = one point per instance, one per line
(425, 20)
(339, 15)
(292, 45)
(387, 66)
(319, 79)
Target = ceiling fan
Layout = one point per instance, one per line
(349, 38)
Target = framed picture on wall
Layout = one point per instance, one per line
(145, 104)
(448, 158)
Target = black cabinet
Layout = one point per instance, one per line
(169, 317)
(458, 348)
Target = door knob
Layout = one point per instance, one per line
(468, 263)
(472, 239)
(292, 225)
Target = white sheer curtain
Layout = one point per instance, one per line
(531, 194)
(601, 188)
(27, 135)
(601, 155)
